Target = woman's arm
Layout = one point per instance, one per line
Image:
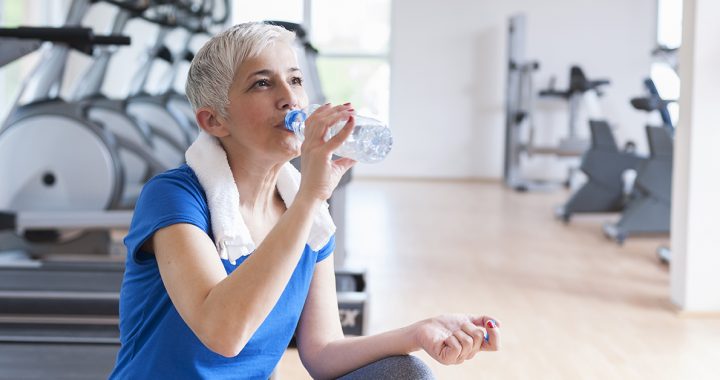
(324, 351)
(449, 339)
(224, 311)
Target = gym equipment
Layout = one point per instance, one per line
(578, 87)
(122, 160)
(59, 320)
(664, 254)
(160, 152)
(669, 57)
(352, 300)
(50, 310)
(519, 104)
(518, 101)
(52, 176)
(163, 109)
(648, 210)
(604, 164)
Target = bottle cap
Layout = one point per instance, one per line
(294, 118)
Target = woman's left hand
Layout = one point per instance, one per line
(452, 339)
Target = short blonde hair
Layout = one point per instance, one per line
(214, 66)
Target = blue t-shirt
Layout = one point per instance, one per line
(155, 341)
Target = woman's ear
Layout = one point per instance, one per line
(210, 122)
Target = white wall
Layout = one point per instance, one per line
(448, 74)
(695, 284)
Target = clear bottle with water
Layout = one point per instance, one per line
(369, 142)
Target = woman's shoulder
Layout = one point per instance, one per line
(182, 172)
(180, 178)
(174, 190)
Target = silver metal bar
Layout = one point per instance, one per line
(94, 77)
(78, 9)
(141, 76)
(45, 80)
(58, 339)
(29, 220)
(58, 319)
(31, 294)
(574, 104)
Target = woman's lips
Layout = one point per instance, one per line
(282, 126)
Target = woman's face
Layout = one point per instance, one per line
(265, 88)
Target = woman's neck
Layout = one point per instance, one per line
(256, 182)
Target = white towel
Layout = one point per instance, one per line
(208, 160)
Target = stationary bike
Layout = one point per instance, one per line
(648, 210)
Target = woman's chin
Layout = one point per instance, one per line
(291, 148)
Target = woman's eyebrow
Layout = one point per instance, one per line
(268, 72)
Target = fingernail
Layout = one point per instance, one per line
(491, 324)
(487, 337)
(347, 104)
(352, 110)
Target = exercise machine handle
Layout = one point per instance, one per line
(111, 40)
(67, 35)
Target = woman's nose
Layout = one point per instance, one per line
(287, 98)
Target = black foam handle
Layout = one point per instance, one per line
(70, 35)
(75, 36)
(111, 40)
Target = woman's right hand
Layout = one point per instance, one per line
(320, 173)
(454, 338)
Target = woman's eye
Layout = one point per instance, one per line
(262, 83)
(297, 80)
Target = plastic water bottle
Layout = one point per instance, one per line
(369, 142)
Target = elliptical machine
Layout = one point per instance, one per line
(166, 109)
(53, 176)
(159, 152)
(60, 312)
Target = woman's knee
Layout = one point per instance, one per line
(405, 367)
(408, 367)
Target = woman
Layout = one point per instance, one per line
(186, 313)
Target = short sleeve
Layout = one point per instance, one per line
(170, 198)
(327, 250)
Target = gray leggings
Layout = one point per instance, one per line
(404, 367)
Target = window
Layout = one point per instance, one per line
(352, 38)
(278, 10)
(664, 68)
(669, 25)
